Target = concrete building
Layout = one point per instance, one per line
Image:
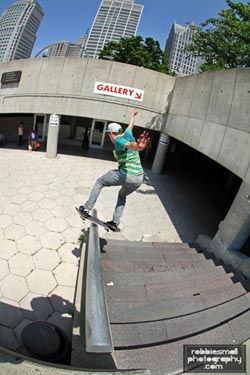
(180, 62)
(207, 113)
(113, 21)
(66, 49)
(18, 27)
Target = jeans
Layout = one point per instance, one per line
(115, 178)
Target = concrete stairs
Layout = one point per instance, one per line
(161, 296)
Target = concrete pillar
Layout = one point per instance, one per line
(160, 154)
(234, 230)
(53, 134)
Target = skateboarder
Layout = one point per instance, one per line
(129, 174)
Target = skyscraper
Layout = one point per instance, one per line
(180, 61)
(18, 27)
(114, 20)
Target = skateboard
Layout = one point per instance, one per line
(94, 220)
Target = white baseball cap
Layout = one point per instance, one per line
(113, 127)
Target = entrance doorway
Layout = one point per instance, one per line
(97, 133)
(40, 126)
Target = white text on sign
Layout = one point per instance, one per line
(118, 90)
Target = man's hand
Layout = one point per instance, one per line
(143, 141)
(135, 111)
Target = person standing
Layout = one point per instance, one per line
(129, 174)
(32, 138)
(20, 133)
(85, 139)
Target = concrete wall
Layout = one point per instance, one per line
(65, 86)
(211, 113)
(208, 111)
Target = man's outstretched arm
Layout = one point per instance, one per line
(132, 118)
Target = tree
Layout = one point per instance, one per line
(224, 42)
(135, 51)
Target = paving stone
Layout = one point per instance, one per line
(52, 240)
(41, 188)
(130, 233)
(62, 211)
(14, 232)
(4, 201)
(22, 218)
(72, 235)
(52, 194)
(11, 209)
(66, 274)
(74, 221)
(9, 192)
(57, 225)
(21, 264)
(62, 299)
(29, 206)
(19, 329)
(1, 234)
(55, 186)
(68, 251)
(47, 203)
(67, 192)
(41, 282)
(8, 339)
(46, 259)
(7, 249)
(36, 228)
(42, 214)
(36, 307)
(18, 198)
(4, 269)
(36, 196)
(5, 221)
(14, 287)
(28, 245)
(25, 190)
(10, 313)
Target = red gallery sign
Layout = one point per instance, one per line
(118, 90)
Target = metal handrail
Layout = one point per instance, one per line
(97, 327)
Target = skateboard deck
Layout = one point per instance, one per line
(94, 220)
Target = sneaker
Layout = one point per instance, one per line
(113, 226)
(83, 212)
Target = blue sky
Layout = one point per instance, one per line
(69, 19)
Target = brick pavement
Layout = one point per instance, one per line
(40, 230)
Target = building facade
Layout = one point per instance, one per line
(114, 20)
(180, 61)
(18, 27)
(65, 48)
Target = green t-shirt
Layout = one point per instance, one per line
(128, 160)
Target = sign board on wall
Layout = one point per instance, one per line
(10, 77)
(118, 91)
(54, 120)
